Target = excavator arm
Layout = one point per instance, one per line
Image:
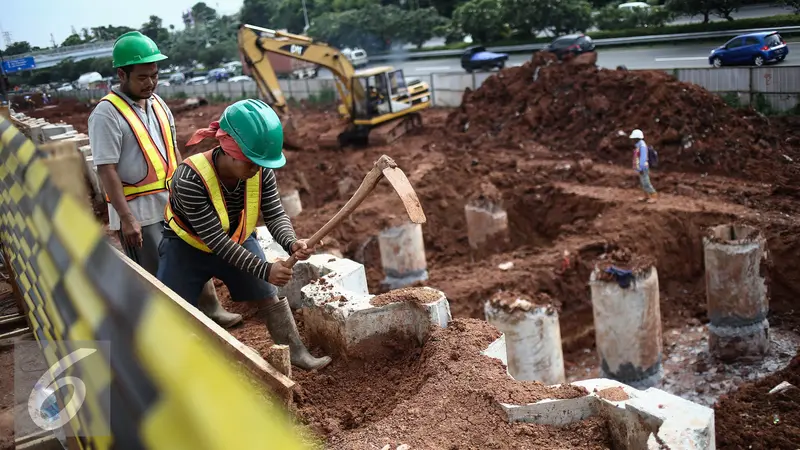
(254, 44)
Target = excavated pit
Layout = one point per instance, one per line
(567, 204)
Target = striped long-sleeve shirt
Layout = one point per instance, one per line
(191, 203)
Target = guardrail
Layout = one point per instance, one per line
(599, 42)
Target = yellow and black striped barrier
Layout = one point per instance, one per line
(164, 384)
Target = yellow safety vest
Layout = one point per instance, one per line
(159, 171)
(202, 164)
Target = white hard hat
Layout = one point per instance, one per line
(637, 134)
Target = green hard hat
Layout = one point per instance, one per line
(258, 131)
(135, 48)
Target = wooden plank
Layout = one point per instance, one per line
(279, 383)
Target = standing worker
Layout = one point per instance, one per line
(214, 201)
(132, 133)
(642, 165)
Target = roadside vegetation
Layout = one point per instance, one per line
(378, 26)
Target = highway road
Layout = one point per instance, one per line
(663, 57)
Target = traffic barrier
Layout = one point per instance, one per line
(166, 383)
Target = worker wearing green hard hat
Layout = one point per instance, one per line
(211, 216)
(134, 148)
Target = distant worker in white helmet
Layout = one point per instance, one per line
(642, 156)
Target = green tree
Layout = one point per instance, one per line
(445, 8)
(109, 32)
(423, 24)
(484, 20)
(18, 48)
(259, 12)
(202, 13)
(692, 8)
(724, 8)
(555, 16)
(155, 31)
(794, 4)
(72, 39)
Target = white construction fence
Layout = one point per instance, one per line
(775, 86)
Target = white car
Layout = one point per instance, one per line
(197, 80)
(239, 79)
(633, 5)
(357, 56)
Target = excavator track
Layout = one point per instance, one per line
(389, 132)
(332, 139)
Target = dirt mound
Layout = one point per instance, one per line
(434, 397)
(574, 107)
(753, 418)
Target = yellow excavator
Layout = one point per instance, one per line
(376, 103)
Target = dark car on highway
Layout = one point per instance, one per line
(752, 48)
(571, 43)
(477, 58)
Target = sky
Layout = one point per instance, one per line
(34, 20)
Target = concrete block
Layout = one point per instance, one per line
(627, 325)
(649, 419)
(736, 292)
(86, 150)
(63, 136)
(48, 131)
(291, 203)
(487, 226)
(532, 339)
(403, 255)
(345, 323)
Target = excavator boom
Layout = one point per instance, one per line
(255, 43)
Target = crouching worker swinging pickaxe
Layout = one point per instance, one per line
(214, 203)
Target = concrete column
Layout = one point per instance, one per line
(532, 339)
(487, 225)
(403, 255)
(291, 203)
(627, 324)
(736, 292)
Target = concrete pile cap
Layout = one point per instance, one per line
(648, 419)
(733, 234)
(513, 303)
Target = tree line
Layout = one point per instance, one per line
(377, 25)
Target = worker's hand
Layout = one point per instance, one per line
(301, 251)
(279, 274)
(131, 231)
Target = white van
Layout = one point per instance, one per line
(357, 56)
(88, 78)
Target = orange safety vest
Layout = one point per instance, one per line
(159, 171)
(202, 164)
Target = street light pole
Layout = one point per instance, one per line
(3, 78)
(305, 15)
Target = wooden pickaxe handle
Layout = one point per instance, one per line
(367, 186)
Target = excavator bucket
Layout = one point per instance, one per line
(291, 140)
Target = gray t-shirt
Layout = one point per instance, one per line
(113, 142)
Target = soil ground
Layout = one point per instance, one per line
(548, 143)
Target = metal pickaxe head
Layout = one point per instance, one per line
(403, 188)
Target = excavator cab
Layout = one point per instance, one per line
(383, 87)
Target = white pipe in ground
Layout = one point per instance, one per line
(487, 225)
(532, 338)
(291, 203)
(736, 292)
(627, 324)
(403, 255)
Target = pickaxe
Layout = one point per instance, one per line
(384, 167)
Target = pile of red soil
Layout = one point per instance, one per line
(574, 107)
(406, 295)
(754, 419)
(443, 395)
